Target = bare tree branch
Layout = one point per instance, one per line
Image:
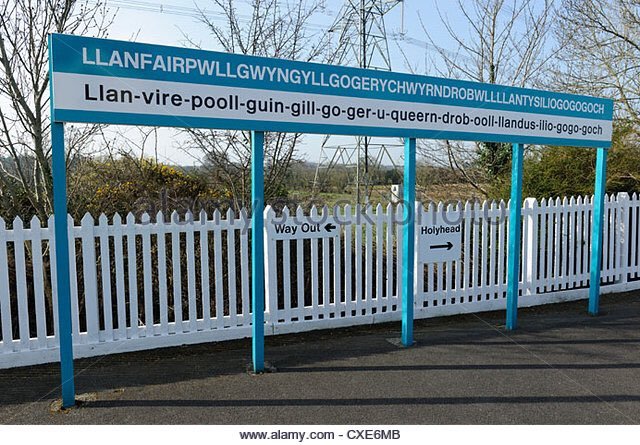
(25, 151)
(275, 29)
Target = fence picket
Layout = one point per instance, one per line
(455, 277)
(286, 269)
(578, 243)
(502, 255)
(132, 264)
(5, 302)
(326, 272)
(622, 232)
(634, 260)
(337, 264)
(611, 241)
(163, 300)
(217, 269)
(148, 277)
(605, 239)
(191, 271)
(105, 269)
(300, 262)
(485, 249)
(358, 263)
(399, 249)
(475, 259)
(89, 277)
(389, 223)
(369, 278)
(379, 250)
(38, 282)
(21, 283)
(231, 270)
(466, 249)
(572, 242)
(118, 257)
(557, 224)
(530, 245)
(542, 245)
(53, 275)
(271, 272)
(315, 281)
(551, 253)
(589, 216)
(244, 223)
(348, 275)
(565, 243)
(176, 268)
(204, 269)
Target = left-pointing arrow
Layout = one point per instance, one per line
(329, 227)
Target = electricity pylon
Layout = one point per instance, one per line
(362, 41)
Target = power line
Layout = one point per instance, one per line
(189, 12)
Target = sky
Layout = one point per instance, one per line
(167, 22)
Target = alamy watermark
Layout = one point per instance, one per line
(187, 211)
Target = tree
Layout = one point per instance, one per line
(600, 41)
(131, 184)
(559, 171)
(25, 151)
(271, 29)
(507, 44)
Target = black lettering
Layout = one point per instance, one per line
(87, 95)
(147, 97)
(176, 100)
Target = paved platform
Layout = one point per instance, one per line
(560, 367)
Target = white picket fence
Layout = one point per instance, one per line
(149, 283)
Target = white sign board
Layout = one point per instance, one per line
(130, 83)
(439, 239)
(294, 228)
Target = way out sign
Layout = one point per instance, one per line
(439, 238)
(293, 228)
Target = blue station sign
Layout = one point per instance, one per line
(118, 82)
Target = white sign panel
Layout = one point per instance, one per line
(439, 239)
(302, 228)
(115, 82)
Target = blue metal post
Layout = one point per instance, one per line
(59, 172)
(257, 248)
(596, 231)
(62, 263)
(408, 236)
(515, 219)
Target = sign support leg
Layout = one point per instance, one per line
(515, 220)
(62, 264)
(596, 230)
(408, 242)
(257, 248)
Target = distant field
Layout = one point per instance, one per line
(382, 194)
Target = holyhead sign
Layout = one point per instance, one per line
(116, 82)
(439, 238)
(128, 83)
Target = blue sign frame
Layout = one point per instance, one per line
(127, 83)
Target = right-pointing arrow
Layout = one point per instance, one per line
(447, 246)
